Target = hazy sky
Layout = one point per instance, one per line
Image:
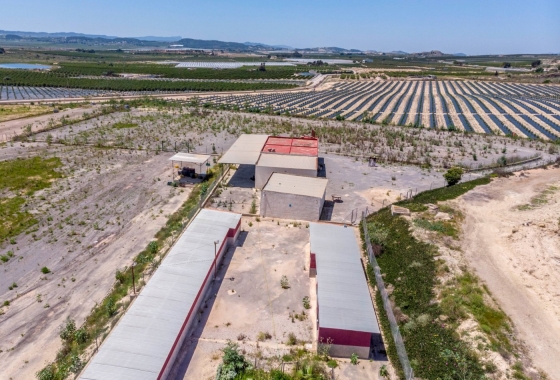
(452, 26)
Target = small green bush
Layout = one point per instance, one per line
(111, 307)
(284, 283)
(120, 276)
(233, 363)
(453, 175)
(292, 339)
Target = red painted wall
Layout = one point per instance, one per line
(230, 238)
(312, 262)
(345, 337)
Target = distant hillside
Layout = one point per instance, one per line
(72, 34)
(211, 44)
(268, 46)
(431, 53)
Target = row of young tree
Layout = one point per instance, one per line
(53, 79)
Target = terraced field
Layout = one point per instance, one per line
(499, 108)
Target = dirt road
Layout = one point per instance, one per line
(516, 252)
(11, 127)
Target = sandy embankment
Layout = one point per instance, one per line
(517, 254)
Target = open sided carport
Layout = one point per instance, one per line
(245, 150)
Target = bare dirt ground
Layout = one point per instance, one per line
(250, 299)
(93, 221)
(512, 239)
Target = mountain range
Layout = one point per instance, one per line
(158, 41)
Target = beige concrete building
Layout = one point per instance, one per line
(286, 164)
(293, 197)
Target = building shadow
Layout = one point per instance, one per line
(378, 351)
(327, 212)
(321, 168)
(243, 177)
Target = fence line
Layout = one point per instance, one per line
(401, 351)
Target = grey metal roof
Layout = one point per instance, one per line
(295, 184)
(245, 150)
(190, 157)
(342, 291)
(138, 346)
(272, 160)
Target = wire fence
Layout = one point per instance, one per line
(399, 344)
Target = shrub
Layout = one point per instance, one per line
(81, 336)
(241, 336)
(306, 303)
(47, 373)
(383, 372)
(453, 175)
(120, 276)
(153, 247)
(262, 336)
(233, 363)
(284, 282)
(253, 209)
(332, 364)
(110, 307)
(68, 330)
(292, 339)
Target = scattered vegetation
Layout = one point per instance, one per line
(20, 178)
(428, 339)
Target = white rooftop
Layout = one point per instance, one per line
(245, 150)
(342, 291)
(295, 184)
(140, 343)
(273, 160)
(190, 157)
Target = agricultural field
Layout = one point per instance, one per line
(525, 110)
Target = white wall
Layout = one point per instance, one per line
(290, 206)
(263, 173)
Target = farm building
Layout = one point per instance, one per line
(345, 314)
(273, 154)
(286, 164)
(144, 343)
(293, 197)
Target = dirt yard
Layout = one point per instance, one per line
(103, 213)
(250, 301)
(512, 239)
